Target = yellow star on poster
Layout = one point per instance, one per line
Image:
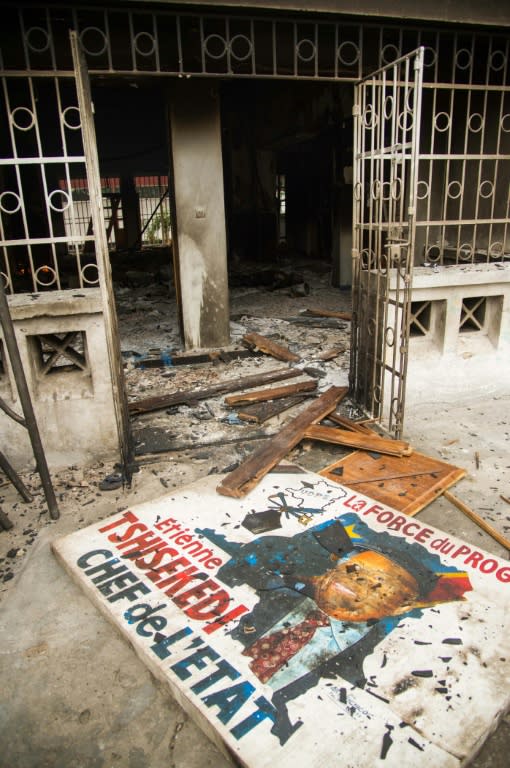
(349, 529)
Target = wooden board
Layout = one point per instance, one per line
(328, 313)
(408, 483)
(248, 474)
(192, 396)
(198, 584)
(367, 442)
(258, 413)
(270, 347)
(263, 395)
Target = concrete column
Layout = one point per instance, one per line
(200, 243)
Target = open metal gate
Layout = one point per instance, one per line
(47, 138)
(387, 112)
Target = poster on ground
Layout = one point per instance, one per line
(307, 622)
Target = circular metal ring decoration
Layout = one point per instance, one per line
(505, 123)
(375, 189)
(35, 32)
(438, 120)
(88, 280)
(496, 250)
(367, 258)
(433, 254)
(466, 252)
(396, 188)
(422, 185)
(22, 111)
(429, 56)
(45, 269)
(144, 36)
(357, 190)
(241, 39)
(70, 111)
(6, 281)
(303, 44)
(389, 53)
(410, 99)
(66, 200)
(458, 58)
(348, 46)
(389, 336)
(475, 122)
(395, 409)
(454, 190)
(406, 120)
(371, 326)
(215, 39)
(377, 394)
(94, 30)
(7, 195)
(370, 118)
(389, 106)
(500, 58)
(486, 189)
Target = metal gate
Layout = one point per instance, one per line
(387, 111)
(47, 138)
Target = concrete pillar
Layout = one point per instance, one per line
(200, 243)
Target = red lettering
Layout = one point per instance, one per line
(424, 534)
(131, 530)
(503, 574)
(462, 550)
(488, 566)
(473, 559)
(220, 600)
(397, 523)
(126, 517)
(408, 530)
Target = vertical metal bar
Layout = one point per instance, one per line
(26, 404)
(156, 41)
(102, 256)
(179, 44)
(134, 62)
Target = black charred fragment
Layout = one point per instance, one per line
(422, 672)
(414, 743)
(386, 742)
(452, 641)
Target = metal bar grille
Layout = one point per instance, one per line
(165, 42)
(41, 244)
(387, 116)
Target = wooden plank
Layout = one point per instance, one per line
(191, 395)
(248, 474)
(270, 347)
(408, 483)
(353, 426)
(485, 526)
(330, 354)
(358, 440)
(262, 395)
(327, 313)
(258, 413)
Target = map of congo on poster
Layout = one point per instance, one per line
(306, 622)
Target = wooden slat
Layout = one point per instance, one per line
(262, 395)
(358, 440)
(483, 524)
(270, 347)
(192, 395)
(239, 482)
(408, 483)
(353, 426)
(258, 413)
(327, 313)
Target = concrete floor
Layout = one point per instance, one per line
(75, 695)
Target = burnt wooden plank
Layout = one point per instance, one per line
(258, 413)
(358, 440)
(191, 395)
(353, 426)
(270, 347)
(327, 313)
(248, 474)
(261, 395)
